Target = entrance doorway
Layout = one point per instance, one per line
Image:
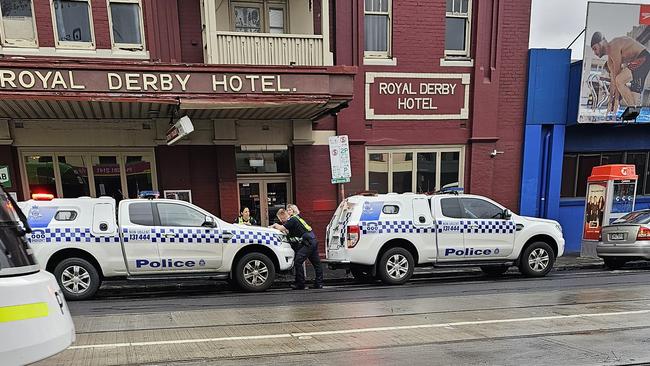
(264, 197)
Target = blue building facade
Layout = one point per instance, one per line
(559, 153)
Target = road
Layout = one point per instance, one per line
(582, 317)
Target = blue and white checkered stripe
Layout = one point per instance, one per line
(206, 236)
(393, 227)
(74, 235)
(478, 226)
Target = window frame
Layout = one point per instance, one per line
(19, 43)
(415, 150)
(464, 210)
(460, 54)
(87, 156)
(389, 36)
(156, 211)
(133, 47)
(265, 6)
(73, 44)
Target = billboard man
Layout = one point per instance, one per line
(628, 61)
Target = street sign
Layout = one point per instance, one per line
(5, 178)
(180, 129)
(340, 159)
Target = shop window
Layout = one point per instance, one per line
(138, 175)
(640, 161)
(585, 164)
(569, 175)
(40, 174)
(126, 24)
(172, 214)
(433, 171)
(263, 162)
(73, 23)
(106, 170)
(18, 26)
(458, 28)
(377, 28)
(268, 16)
(74, 176)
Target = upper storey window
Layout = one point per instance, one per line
(73, 23)
(259, 16)
(377, 28)
(18, 27)
(458, 24)
(126, 24)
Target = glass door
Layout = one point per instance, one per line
(264, 197)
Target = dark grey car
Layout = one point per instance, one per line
(626, 239)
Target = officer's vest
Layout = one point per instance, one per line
(303, 222)
(241, 220)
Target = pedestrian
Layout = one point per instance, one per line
(293, 209)
(245, 217)
(306, 248)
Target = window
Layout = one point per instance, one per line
(73, 23)
(390, 209)
(18, 26)
(377, 28)
(94, 174)
(457, 28)
(474, 208)
(141, 213)
(451, 208)
(126, 24)
(67, 215)
(258, 162)
(577, 167)
(259, 16)
(418, 170)
(179, 215)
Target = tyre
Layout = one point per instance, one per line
(537, 260)
(614, 262)
(78, 278)
(362, 274)
(494, 271)
(254, 272)
(396, 266)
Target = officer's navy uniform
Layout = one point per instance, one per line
(307, 249)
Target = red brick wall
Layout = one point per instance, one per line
(189, 14)
(162, 30)
(101, 25)
(44, 28)
(227, 177)
(190, 167)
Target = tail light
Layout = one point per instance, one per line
(353, 235)
(644, 234)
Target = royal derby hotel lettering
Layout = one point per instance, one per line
(411, 96)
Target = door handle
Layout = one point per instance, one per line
(169, 235)
(473, 226)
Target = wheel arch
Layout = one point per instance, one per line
(545, 238)
(400, 242)
(66, 253)
(255, 248)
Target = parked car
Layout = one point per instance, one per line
(626, 239)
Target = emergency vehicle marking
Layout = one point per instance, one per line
(58, 235)
(199, 236)
(385, 227)
(471, 252)
(480, 226)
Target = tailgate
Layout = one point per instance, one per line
(620, 234)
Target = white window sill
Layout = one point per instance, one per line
(463, 62)
(63, 52)
(380, 61)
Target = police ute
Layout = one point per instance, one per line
(80, 241)
(385, 236)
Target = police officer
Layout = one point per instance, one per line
(245, 217)
(307, 248)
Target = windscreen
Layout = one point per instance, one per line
(638, 217)
(15, 255)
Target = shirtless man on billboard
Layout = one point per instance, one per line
(628, 61)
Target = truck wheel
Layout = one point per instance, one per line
(614, 262)
(537, 260)
(78, 278)
(494, 271)
(362, 274)
(254, 272)
(396, 266)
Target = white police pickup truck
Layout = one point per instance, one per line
(80, 241)
(387, 235)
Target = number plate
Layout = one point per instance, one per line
(617, 236)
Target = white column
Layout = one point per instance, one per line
(209, 21)
(328, 57)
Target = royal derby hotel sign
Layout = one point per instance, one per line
(415, 96)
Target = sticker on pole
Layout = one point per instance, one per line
(340, 159)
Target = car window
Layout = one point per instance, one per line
(65, 215)
(475, 208)
(451, 208)
(172, 214)
(638, 217)
(141, 213)
(390, 209)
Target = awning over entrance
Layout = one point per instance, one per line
(32, 89)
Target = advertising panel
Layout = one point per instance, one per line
(616, 63)
(594, 210)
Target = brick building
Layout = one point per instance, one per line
(425, 90)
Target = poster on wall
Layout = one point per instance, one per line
(616, 63)
(594, 210)
(183, 195)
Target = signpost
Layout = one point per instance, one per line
(340, 161)
(180, 129)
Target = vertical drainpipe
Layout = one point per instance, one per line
(546, 154)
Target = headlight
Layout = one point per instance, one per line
(558, 227)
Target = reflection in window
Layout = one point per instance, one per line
(251, 162)
(125, 18)
(138, 175)
(40, 174)
(475, 208)
(402, 172)
(74, 176)
(449, 169)
(172, 214)
(426, 177)
(17, 22)
(106, 171)
(378, 173)
(73, 20)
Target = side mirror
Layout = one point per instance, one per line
(209, 222)
(507, 214)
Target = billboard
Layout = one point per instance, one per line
(594, 210)
(616, 63)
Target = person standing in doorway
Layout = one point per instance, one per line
(306, 248)
(245, 217)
